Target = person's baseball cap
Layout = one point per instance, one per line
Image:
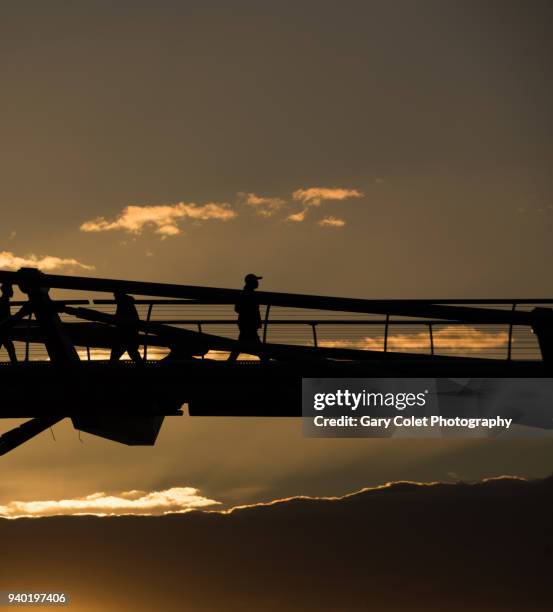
(251, 277)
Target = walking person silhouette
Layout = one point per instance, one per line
(249, 319)
(5, 313)
(127, 333)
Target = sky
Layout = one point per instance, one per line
(373, 149)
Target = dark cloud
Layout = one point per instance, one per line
(406, 546)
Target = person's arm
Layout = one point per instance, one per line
(238, 305)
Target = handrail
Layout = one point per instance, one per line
(148, 317)
(266, 323)
(325, 322)
(459, 301)
(387, 323)
(167, 302)
(29, 318)
(510, 343)
(314, 327)
(71, 302)
(204, 302)
(448, 309)
(200, 332)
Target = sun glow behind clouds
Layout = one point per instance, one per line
(155, 503)
(179, 500)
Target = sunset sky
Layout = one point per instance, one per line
(376, 149)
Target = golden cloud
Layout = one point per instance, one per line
(313, 196)
(453, 338)
(163, 218)
(264, 206)
(330, 221)
(47, 263)
(297, 217)
(175, 499)
(179, 500)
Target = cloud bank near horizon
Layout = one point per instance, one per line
(179, 500)
(154, 503)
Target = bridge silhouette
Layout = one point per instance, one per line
(186, 333)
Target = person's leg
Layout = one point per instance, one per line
(132, 350)
(11, 350)
(234, 354)
(116, 352)
(252, 343)
(261, 354)
(130, 344)
(259, 349)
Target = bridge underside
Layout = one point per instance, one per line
(249, 389)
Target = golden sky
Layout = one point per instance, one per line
(363, 148)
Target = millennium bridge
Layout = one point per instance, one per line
(65, 329)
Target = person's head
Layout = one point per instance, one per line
(251, 281)
(7, 290)
(120, 297)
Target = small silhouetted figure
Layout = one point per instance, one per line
(249, 319)
(5, 312)
(127, 333)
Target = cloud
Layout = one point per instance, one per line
(180, 500)
(313, 196)
(330, 221)
(163, 218)
(297, 217)
(48, 263)
(459, 338)
(176, 499)
(266, 207)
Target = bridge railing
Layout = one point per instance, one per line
(388, 333)
(336, 329)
